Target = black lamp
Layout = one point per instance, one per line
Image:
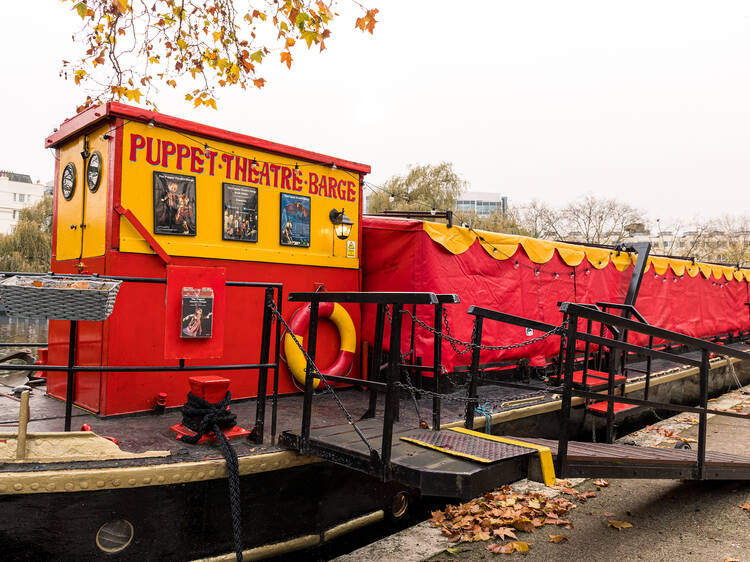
(342, 225)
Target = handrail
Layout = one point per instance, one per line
(366, 297)
(649, 330)
(619, 306)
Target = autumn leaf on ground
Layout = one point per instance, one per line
(524, 524)
(731, 560)
(557, 539)
(608, 514)
(504, 533)
(455, 550)
(619, 525)
(745, 506)
(582, 497)
(601, 483)
(568, 491)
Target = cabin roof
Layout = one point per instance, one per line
(94, 115)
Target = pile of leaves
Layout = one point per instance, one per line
(500, 514)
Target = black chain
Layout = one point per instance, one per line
(465, 399)
(314, 367)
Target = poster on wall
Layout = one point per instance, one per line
(240, 219)
(197, 312)
(174, 204)
(295, 220)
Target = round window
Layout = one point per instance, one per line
(68, 181)
(114, 536)
(94, 171)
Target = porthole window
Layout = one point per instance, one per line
(94, 171)
(115, 536)
(68, 181)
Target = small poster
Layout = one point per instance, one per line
(197, 312)
(295, 220)
(174, 204)
(240, 213)
(351, 249)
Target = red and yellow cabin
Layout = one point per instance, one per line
(170, 193)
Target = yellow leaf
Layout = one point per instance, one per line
(558, 538)
(81, 9)
(181, 44)
(286, 57)
(520, 546)
(619, 525)
(289, 42)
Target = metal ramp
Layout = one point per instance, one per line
(462, 463)
(446, 463)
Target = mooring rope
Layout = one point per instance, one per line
(204, 417)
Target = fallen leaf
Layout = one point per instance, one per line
(584, 496)
(481, 536)
(731, 560)
(454, 550)
(504, 533)
(745, 506)
(619, 525)
(534, 504)
(520, 546)
(601, 483)
(496, 548)
(568, 491)
(438, 516)
(608, 514)
(524, 524)
(558, 538)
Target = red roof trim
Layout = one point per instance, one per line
(115, 109)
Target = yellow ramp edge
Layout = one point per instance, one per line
(545, 455)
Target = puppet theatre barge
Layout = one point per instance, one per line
(227, 252)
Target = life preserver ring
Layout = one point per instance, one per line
(299, 323)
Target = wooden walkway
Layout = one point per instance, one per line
(626, 461)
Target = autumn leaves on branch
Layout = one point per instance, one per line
(132, 47)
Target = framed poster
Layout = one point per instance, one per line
(295, 220)
(197, 312)
(240, 219)
(174, 204)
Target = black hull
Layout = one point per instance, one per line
(191, 520)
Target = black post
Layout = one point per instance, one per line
(471, 405)
(309, 373)
(570, 357)
(558, 370)
(392, 393)
(373, 372)
(437, 360)
(265, 351)
(277, 352)
(72, 337)
(610, 404)
(648, 368)
(703, 417)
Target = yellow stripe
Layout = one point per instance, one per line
(545, 455)
(443, 450)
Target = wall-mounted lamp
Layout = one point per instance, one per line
(342, 225)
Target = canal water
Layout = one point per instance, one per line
(19, 330)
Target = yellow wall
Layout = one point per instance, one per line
(137, 196)
(92, 237)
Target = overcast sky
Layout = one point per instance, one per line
(646, 101)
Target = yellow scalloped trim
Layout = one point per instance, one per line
(504, 246)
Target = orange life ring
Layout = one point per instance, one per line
(299, 323)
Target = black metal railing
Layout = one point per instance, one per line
(263, 365)
(573, 335)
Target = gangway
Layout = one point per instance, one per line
(463, 463)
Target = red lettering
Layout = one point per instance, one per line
(240, 168)
(168, 149)
(323, 186)
(286, 175)
(332, 188)
(264, 174)
(275, 169)
(136, 143)
(211, 155)
(351, 195)
(254, 178)
(150, 153)
(342, 194)
(297, 180)
(312, 179)
(227, 159)
(196, 160)
(183, 151)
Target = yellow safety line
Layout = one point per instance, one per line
(545, 455)
(444, 450)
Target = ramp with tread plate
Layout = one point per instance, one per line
(431, 471)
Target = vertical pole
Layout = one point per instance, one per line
(72, 337)
(277, 354)
(474, 373)
(586, 350)
(610, 403)
(437, 360)
(703, 417)
(265, 352)
(23, 422)
(312, 340)
(570, 357)
(392, 392)
(558, 372)
(373, 372)
(648, 368)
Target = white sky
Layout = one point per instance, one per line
(645, 101)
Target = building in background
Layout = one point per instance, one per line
(482, 203)
(16, 192)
